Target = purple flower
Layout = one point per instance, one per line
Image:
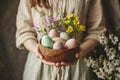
(55, 19)
(47, 21)
(36, 27)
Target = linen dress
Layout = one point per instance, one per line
(90, 13)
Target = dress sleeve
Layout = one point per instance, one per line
(95, 20)
(24, 24)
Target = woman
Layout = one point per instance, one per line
(29, 14)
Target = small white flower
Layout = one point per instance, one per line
(115, 41)
(111, 53)
(103, 39)
(113, 38)
(89, 61)
(106, 48)
(100, 75)
(115, 62)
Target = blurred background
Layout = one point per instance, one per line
(12, 60)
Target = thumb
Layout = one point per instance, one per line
(78, 54)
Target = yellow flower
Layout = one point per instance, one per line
(76, 22)
(76, 17)
(67, 22)
(69, 29)
(64, 19)
(80, 28)
(69, 16)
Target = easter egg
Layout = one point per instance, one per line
(58, 45)
(71, 43)
(53, 33)
(64, 35)
(46, 41)
(58, 39)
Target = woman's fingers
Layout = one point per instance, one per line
(79, 54)
(39, 56)
(47, 62)
(57, 64)
(68, 63)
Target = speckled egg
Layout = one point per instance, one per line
(53, 33)
(58, 39)
(64, 35)
(46, 41)
(71, 43)
(58, 45)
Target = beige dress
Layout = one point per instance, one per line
(90, 13)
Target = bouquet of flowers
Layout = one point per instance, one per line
(60, 35)
(107, 65)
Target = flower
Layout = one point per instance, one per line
(69, 16)
(102, 39)
(114, 39)
(69, 29)
(70, 24)
(107, 66)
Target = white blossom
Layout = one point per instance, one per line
(116, 62)
(89, 62)
(100, 75)
(108, 66)
(114, 39)
(103, 39)
(111, 53)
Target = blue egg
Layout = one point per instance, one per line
(46, 41)
(64, 35)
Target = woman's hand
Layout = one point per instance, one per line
(39, 55)
(33, 46)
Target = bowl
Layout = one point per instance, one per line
(53, 55)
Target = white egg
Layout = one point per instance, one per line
(53, 33)
(64, 35)
(58, 45)
(71, 43)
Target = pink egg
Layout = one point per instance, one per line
(53, 33)
(71, 43)
(58, 45)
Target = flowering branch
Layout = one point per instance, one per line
(107, 66)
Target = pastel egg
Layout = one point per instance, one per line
(71, 43)
(58, 39)
(53, 33)
(46, 41)
(64, 35)
(58, 45)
